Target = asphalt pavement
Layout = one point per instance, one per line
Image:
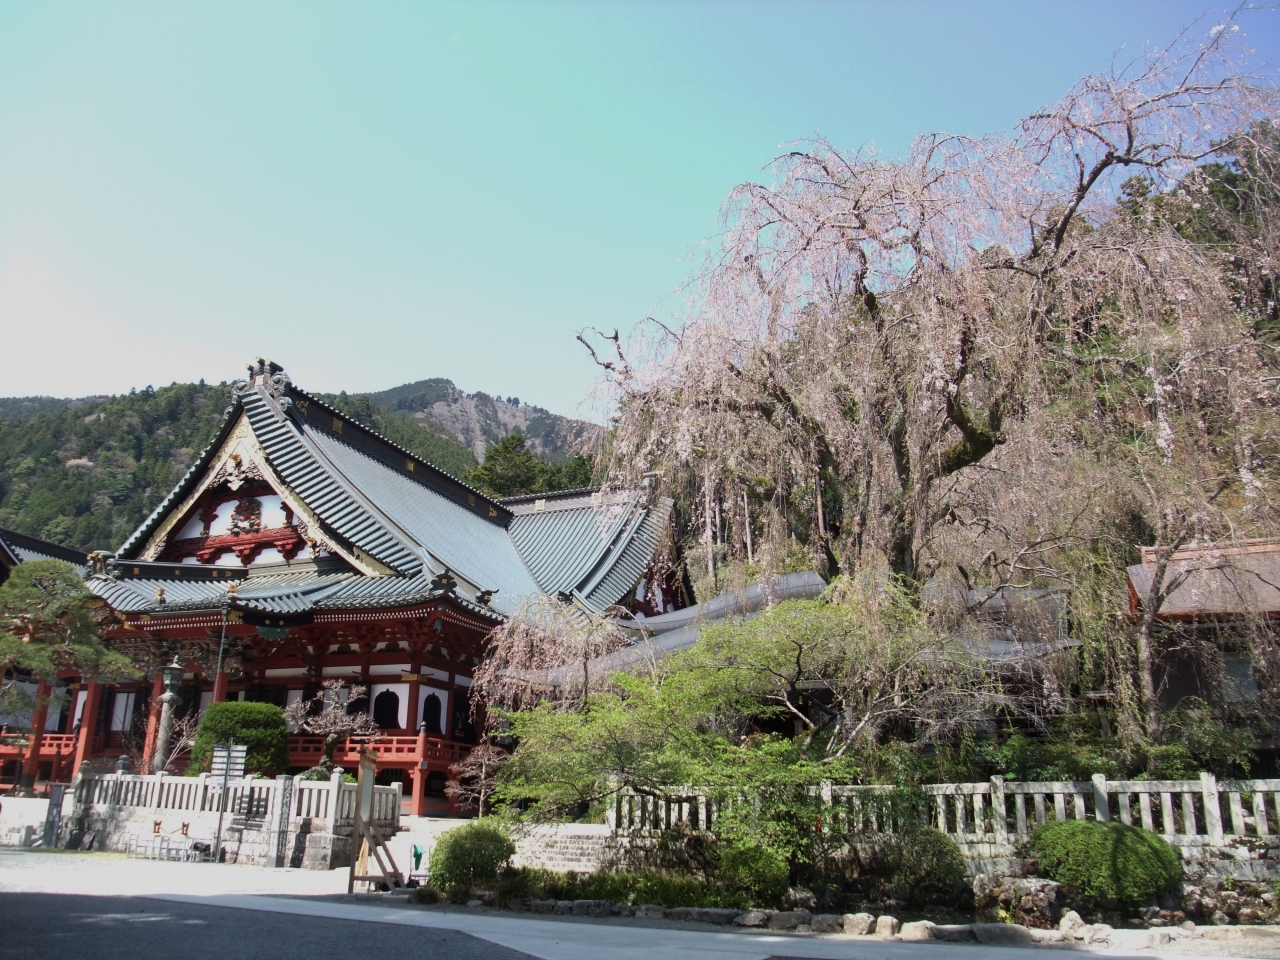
(36, 926)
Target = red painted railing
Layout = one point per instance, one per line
(407, 751)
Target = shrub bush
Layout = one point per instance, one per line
(259, 726)
(426, 895)
(471, 855)
(760, 873)
(1107, 863)
(929, 864)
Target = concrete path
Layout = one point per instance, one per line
(301, 899)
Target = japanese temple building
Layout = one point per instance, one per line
(302, 546)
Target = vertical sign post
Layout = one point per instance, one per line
(228, 762)
(53, 819)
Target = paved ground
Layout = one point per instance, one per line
(72, 904)
(35, 926)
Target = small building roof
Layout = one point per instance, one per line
(16, 548)
(1215, 581)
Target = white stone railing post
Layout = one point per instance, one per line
(1101, 802)
(1212, 814)
(156, 801)
(335, 800)
(999, 815)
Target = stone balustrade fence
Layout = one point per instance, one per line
(1188, 813)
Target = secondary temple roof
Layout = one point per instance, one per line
(382, 526)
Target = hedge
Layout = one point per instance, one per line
(259, 726)
(1107, 863)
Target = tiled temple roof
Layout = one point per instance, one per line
(413, 520)
(16, 548)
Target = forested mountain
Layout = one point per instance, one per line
(478, 421)
(85, 472)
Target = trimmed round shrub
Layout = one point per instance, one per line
(259, 726)
(1107, 863)
(466, 857)
(929, 864)
(757, 871)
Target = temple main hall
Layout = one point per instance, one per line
(301, 547)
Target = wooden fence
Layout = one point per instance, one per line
(1187, 813)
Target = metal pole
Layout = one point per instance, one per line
(222, 804)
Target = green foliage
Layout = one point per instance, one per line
(46, 625)
(470, 855)
(1107, 863)
(426, 895)
(85, 473)
(623, 886)
(510, 469)
(762, 873)
(260, 726)
(929, 865)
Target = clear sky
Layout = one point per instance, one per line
(371, 193)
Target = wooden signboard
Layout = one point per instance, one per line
(368, 841)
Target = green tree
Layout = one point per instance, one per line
(509, 469)
(47, 624)
(260, 726)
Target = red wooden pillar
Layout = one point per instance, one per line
(411, 717)
(153, 722)
(88, 724)
(418, 804)
(31, 765)
(220, 680)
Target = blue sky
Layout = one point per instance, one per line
(381, 192)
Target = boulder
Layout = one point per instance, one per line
(543, 906)
(1098, 933)
(649, 911)
(1028, 901)
(789, 919)
(887, 926)
(716, 915)
(680, 913)
(752, 918)
(475, 903)
(1157, 939)
(564, 907)
(827, 923)
(918, 930)
(1070, 923)
(859, 924)
(1002, 934)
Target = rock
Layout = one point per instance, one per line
(752, 918)
(1249, 915)
(1219, 918)
(600, 908)
(918, 930)
(1029, 901)
(542, 906)
(581, 907)
(1002, 934)
(680, 913)
(649, 911)
(475, 903)
(1070, 923)
(1098, 933)
(517, 903)
(859, 924)
(564, 907)
(1157, 939)
(827, 923)
(624, 909)
(1047, 936)
(1188, 925)
(887, 926)
(954, 932)
(788, 919)
(717, 915)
